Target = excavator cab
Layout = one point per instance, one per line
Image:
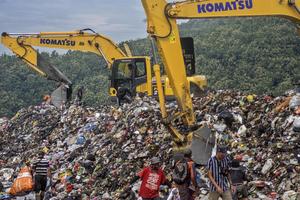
(128, 76)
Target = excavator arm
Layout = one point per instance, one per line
(231, 8)
(162, 27)
(35, 61)
(22, 45)
(166, 35)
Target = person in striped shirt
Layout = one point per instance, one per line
(219, 176)
(41, 172)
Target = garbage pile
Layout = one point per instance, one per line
(94, 153)
(263, 132)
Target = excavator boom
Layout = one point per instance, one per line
(36, 62)
(169, 47)
(77, 40)
(231, 8)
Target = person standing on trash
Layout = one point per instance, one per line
(79, 96)
(219, 176)
(41, 172)
(184, 176)
(152, 177)
(238, 176)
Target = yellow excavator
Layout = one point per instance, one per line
(163, 28)
(130, 75)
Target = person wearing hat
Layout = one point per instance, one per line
(219, 176)
(152, 177)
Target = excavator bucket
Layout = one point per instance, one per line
(63, 93)
(52, 73)
(60, 96)
(203, 142)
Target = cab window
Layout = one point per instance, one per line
(140, 69)
(124, 70)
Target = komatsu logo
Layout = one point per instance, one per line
(64, 42)
(231, 5)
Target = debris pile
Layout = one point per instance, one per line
(263, 132)
(95, 152)
(92, 151)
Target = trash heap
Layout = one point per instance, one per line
(94, 152)
(261, 131)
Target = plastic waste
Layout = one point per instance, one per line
(295, 101)
(80, 140)
(267, 166)
(296, 125)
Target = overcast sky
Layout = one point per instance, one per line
(118, 19)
